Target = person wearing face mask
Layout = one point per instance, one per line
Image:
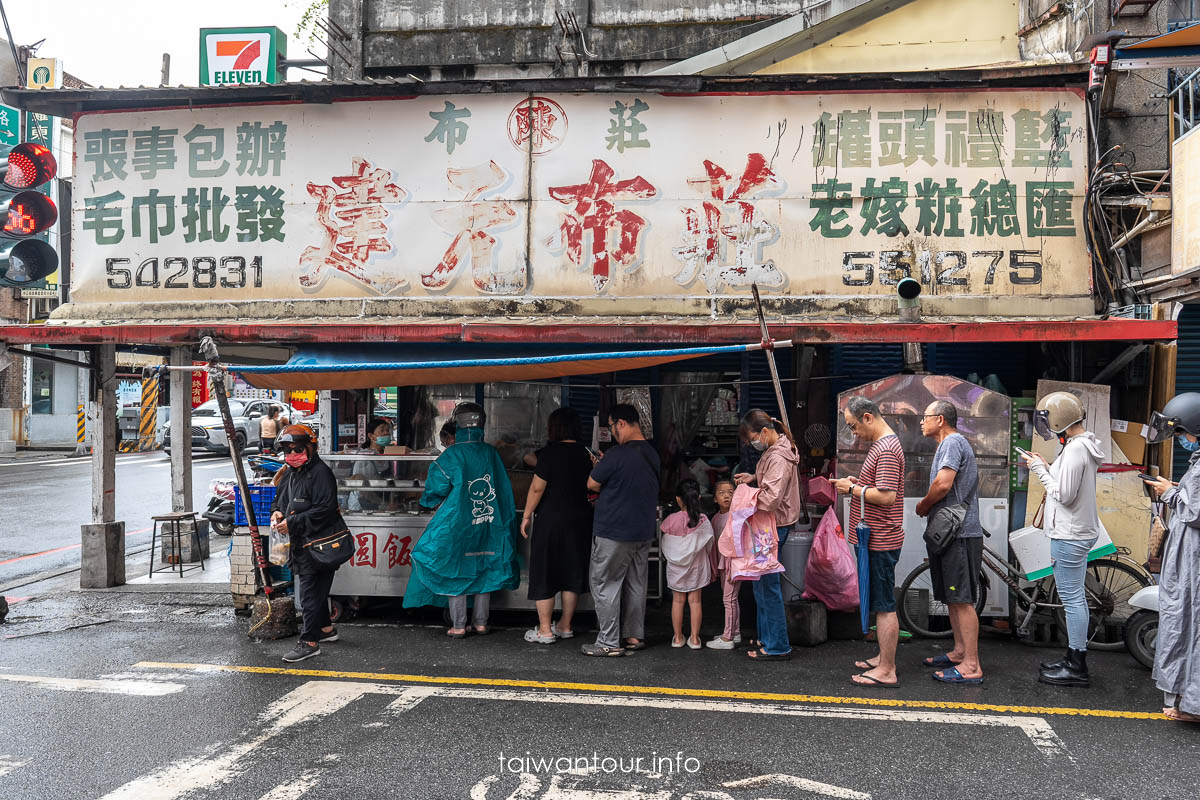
(779, 494)
(379, 436)
(306, 509)
(1177, 647)
(1072, 522)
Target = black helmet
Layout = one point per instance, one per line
(1180, 415)
(468, 415)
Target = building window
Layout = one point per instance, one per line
(43, 387)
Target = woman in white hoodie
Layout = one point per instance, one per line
(1072, 522)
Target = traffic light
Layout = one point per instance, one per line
(26, 213)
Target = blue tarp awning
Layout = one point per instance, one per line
(368, 367)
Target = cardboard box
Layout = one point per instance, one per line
(396, 450)
(1131, 438)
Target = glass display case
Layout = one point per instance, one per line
(370, 484)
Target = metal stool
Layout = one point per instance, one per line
(172, 526)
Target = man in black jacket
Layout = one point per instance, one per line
(306, 508)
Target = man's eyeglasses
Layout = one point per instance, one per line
(931, 416)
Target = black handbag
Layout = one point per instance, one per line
(331, 551)
(944, 527)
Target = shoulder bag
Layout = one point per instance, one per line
(331, 551)
(944, 527)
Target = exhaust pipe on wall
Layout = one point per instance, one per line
(908, 291)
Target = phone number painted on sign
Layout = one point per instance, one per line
(584, 196)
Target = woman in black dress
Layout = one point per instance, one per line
(560, 542)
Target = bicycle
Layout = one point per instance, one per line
(1109, 584)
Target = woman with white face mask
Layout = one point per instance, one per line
(779, 485)
(1177, 647)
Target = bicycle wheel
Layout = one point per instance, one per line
(1109, 584)
(922, 615)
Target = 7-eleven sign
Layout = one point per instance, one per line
(241, 55)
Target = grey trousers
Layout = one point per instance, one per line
(618, 577)
(458, 611)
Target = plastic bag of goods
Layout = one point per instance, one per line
(832, 573)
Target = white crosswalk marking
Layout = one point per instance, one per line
(140, 688)
(8, 764)
(294, 789)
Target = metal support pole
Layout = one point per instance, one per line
(767, 343)
(326, 425)
(208, 350)
(102, 552)
(181, 425)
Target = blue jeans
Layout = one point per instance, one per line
(1069, 560)
(772, 620)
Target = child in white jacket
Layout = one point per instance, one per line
(687, 536)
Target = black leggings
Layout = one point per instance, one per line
(314, 603)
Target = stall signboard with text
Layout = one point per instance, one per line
(582, 196)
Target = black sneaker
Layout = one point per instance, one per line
(328, 637)
(303, 650)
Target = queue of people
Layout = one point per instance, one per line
(591, 519)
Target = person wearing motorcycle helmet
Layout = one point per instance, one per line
(469, 547)
(306, 508)
(1177, 645)
(1072, 521)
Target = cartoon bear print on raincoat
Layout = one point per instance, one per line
(469, 545)
(481, 493)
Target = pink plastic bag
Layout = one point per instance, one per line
(821, 491)
(832, 573)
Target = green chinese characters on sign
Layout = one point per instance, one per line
(202, 215)
(206, 152)
(154, 151)
(938, 207)
(102, 216)
(1048, 208)
(106, 151)
(625, 129)
(39, 128)
(259, 213)
(1041, 139)
(831, 213)
(260, 150)
(450, 129)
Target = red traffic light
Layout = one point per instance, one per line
(28, 165)
(27, 213)
(26, 262)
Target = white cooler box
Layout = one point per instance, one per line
(1031, 546)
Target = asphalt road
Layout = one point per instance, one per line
(47, 499)
(119, 695)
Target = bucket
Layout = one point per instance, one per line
(793, 555)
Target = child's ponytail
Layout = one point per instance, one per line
(689, 493)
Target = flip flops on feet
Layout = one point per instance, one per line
(762, 655)
(867, 682)
(866, 665)
(940, 661)
(952, 675)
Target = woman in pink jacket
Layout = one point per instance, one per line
(779, 494)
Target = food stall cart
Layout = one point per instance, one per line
(379, 494)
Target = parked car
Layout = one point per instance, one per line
(208, 431)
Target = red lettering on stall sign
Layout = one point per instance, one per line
(398, 550)
(364, 556)
(592, 211)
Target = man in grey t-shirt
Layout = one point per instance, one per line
(953, 479)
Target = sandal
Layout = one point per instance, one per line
(632, 645)
(484, 631)
(1180, 716)
(866, 664)
(952, 675)
(600, 650)
(453, 635)
(873, 683)
(762, 655)
(940, 661)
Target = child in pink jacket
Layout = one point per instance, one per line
(723, 495)
(687, 536)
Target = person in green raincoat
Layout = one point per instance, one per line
(469, 546)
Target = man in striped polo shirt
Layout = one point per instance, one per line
(881, 485)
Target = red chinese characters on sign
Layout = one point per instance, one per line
(538, 124)
(468, 222)
(398, 550)
(728, 221)
(364, 554)
(616, 235)
(199, 388)
(354, 219)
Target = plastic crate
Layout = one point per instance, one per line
(261, 497)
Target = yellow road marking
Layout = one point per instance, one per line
(669, 691)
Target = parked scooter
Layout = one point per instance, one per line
(220, 506)
(1141, 629)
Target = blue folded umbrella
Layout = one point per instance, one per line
(863, 532)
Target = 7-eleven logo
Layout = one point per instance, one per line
(238, 57)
